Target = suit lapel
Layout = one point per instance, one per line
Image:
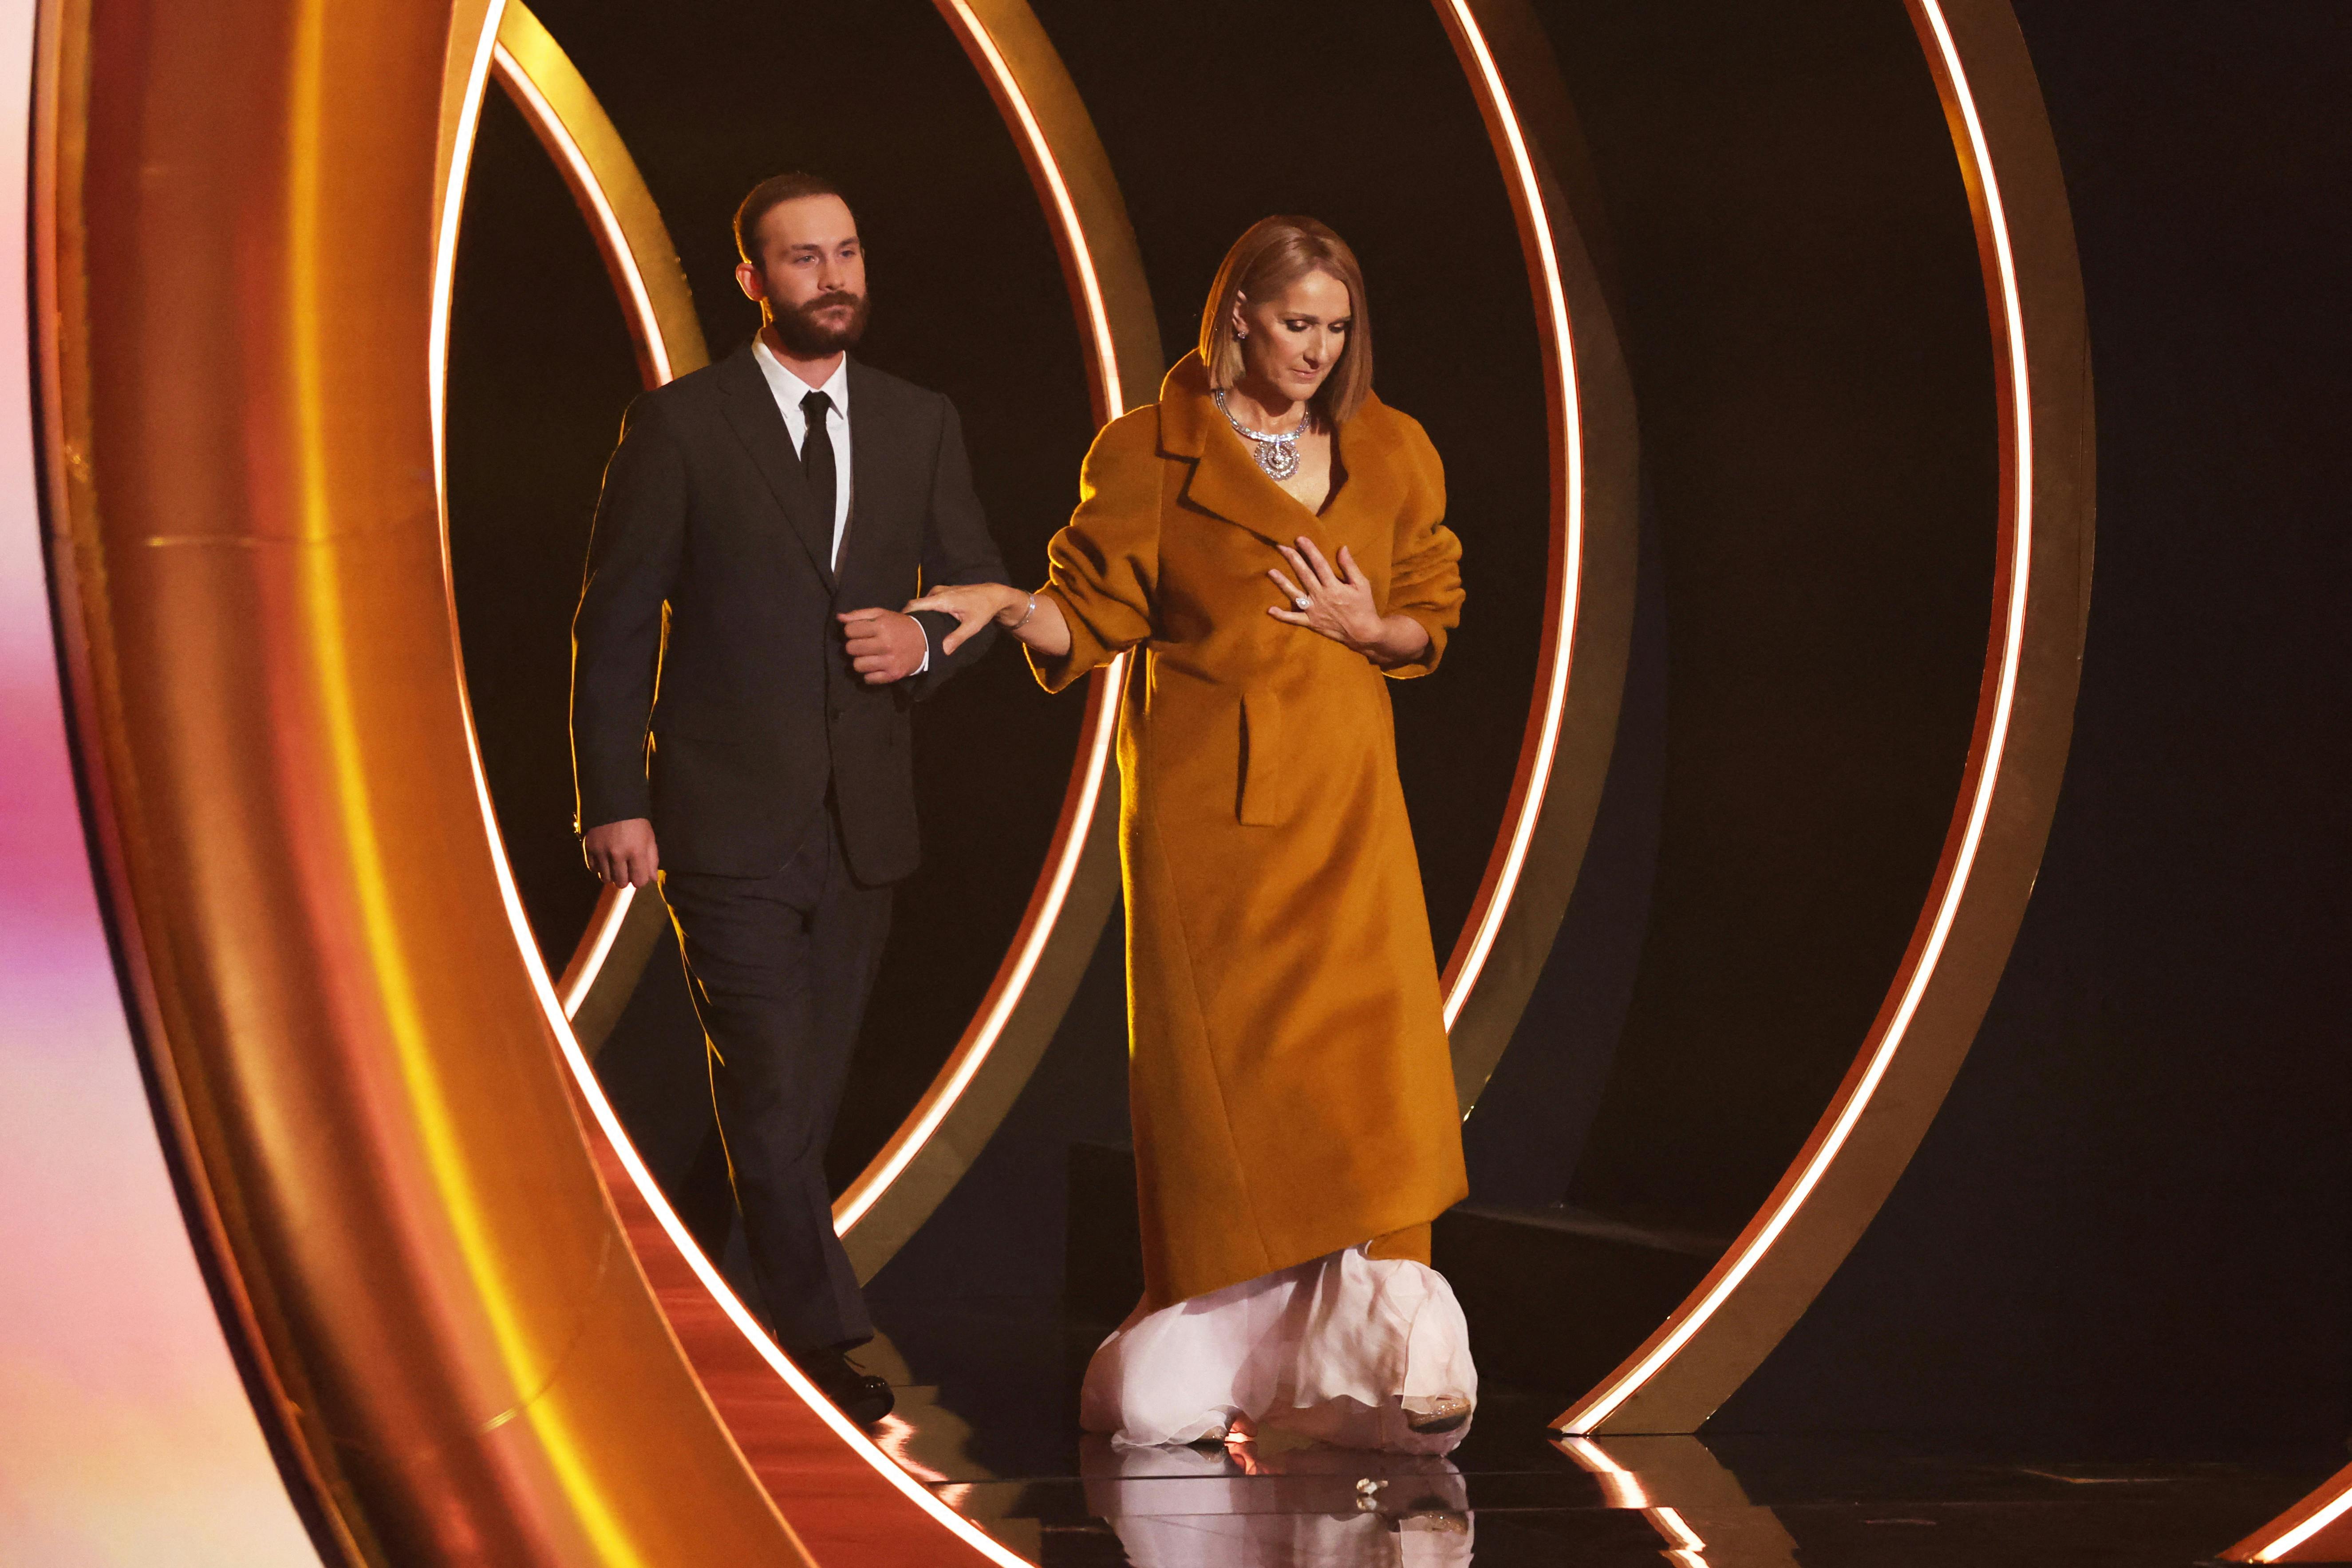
(752, 413)
(875, 437)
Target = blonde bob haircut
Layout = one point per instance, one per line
(1274, 253)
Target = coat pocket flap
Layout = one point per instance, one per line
(1265, 801)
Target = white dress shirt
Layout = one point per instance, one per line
(788, 390)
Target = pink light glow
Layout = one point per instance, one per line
(125, 1433)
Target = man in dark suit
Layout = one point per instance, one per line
(768, 509)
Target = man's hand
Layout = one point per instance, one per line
(622, 853)
(884, 645)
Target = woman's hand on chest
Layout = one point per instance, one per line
(1337, 601)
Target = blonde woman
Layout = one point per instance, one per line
(1269, 534)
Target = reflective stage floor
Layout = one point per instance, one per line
(987, 1411)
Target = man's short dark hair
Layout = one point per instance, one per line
(769, 195)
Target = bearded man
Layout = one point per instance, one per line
(756, 764)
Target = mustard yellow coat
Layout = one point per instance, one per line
(1289, 1081)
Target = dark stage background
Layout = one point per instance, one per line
(2130, 1223)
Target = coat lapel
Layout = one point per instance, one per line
(752, 413)
(1226, 479)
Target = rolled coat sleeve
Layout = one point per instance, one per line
(1426, 573)
(1103, 567)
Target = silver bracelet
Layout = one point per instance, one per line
(1024, 619)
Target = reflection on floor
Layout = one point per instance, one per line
(990, 1424)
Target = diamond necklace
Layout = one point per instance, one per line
(1277, 453)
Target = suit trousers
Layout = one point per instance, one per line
(779, 968)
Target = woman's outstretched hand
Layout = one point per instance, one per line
(1337, 603)
(974, 604)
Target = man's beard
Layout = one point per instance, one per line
(801, 329)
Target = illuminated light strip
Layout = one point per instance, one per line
(445, 247)
(1497, 905)
(2288, 1541)
(582, 179)
(1603, 1401)
(584, 1075)
(587, 967)
(1670, 1524)
(981, 1038)
(1624, 1490)
(1623, 1487)
(1065, 208)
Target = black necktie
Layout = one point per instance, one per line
(816, 461)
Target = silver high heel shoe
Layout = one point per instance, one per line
(1436, 1416)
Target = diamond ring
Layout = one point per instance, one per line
(1302, 601)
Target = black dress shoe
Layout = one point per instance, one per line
(854, 1392)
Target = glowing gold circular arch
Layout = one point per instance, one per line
(450, 1343)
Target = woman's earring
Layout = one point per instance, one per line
(1241, 337)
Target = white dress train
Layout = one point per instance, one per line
(1340, 1350)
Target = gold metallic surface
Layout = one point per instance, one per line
(186, 1117)
(244, 223)
(2009, 790)
(636, 244)
(1593, 528)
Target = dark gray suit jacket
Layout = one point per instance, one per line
(729, 736)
